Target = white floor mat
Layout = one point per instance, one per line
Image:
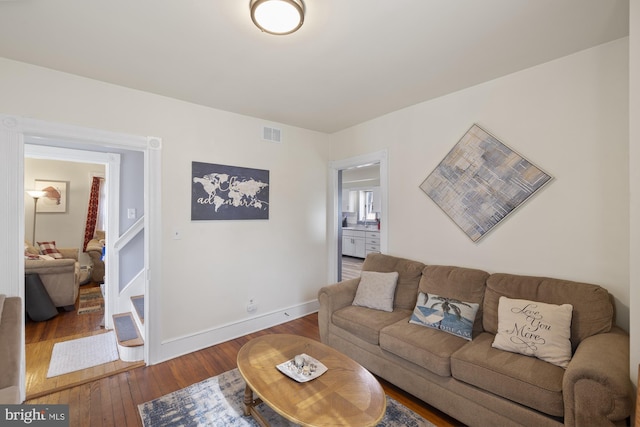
(82, 353)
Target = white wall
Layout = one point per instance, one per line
(634, 179)
(67, 229)
(209, 275)
(570, 117)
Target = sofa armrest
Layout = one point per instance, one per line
(11, 350)
(69, 253)
(332, 298)
(94, 246)
(42, 266)
(597, 386)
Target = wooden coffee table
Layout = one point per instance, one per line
(347, 394)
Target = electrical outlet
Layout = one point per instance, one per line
(131, 213)
(252, 306)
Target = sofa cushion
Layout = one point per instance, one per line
(409, 273)
(464, 284)
(523, 379)
(592, 307)
(376, 290)
(429, 348)
(366, 323)
(449, 315)
(535, 329)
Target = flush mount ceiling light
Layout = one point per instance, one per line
(278, 17)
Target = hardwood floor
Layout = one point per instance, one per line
(40, 338)
(65, 324)
(351, 267)
(113, 401)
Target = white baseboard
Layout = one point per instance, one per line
(176, 347)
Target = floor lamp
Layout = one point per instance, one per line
(36, 194)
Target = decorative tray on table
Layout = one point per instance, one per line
(302, 368)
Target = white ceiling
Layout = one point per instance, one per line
(353, 60)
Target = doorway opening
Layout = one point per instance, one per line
(359, 215)
(72, 171)
(15, 135)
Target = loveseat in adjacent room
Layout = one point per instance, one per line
(60, 276)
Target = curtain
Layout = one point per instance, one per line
(92, 212)
(101, 223)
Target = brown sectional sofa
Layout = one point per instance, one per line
(470, 380)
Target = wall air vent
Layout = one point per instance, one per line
(271, 134)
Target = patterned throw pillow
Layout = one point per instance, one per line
(29, 255)
(49, 248)
(376, 290)
(447, 314)
(535, 329)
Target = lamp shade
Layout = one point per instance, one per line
(36, 194)
(278, 17)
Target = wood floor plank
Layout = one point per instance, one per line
(95, 404)
(106, 404)
(117, 401)
(129, 410)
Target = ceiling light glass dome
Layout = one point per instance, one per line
(278, 17)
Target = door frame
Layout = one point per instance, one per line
(334, 216)
(13, 132)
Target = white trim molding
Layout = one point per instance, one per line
(193, 342)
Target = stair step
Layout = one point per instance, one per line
(138, 304)
(126, 330)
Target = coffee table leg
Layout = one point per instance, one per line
(250, 407)
(248, 400)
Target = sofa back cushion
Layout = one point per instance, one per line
(409, 273)
(592, 308)
(464, 284)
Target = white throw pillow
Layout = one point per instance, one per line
(376, 290)
(535, 329)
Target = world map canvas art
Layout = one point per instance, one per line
(220, 192)
(481, 181)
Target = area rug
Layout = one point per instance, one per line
(218, 402)
(82, 353)
(90, 300)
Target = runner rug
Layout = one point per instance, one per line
(82, 353)
(90, 300)
(218, 402)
